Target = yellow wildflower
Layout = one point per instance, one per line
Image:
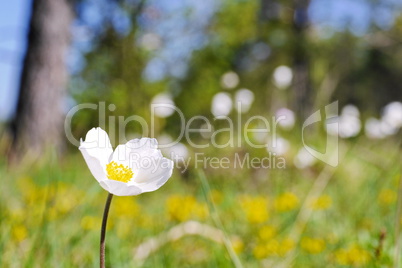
(342, 257)
(52, 213)
(91, 223)
(267, 232)
(145, 221)
(182, 208)
(266, 249)
(63, 202)
(322, 203)
(123, 228)
(272, 247)
(27, 187)
(358, 256)
(237, 245)
(217, 196)
(366, 223)
(260, 251)
(125, 206)
(285, 246)
(286, 202)
(19, 232)
(387, 197)
(255, 208)
(353, 255)
(35, 195)
(312, 245)
(332, 238)
(17, 214)
(200, 211)
(67, 199)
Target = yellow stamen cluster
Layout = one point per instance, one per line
(119, 172)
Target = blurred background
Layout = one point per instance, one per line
(273, 57)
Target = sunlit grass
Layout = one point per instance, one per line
(50, 216)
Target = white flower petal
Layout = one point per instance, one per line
(96, 150)
(135, 150)
(120, 188)
(156, 168)
(95, 166)
(144, 147)
(121, 155)
(157, 178)
(151, 169)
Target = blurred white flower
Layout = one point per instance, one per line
(260, 137)
(351, 110)
(389, 124)
(304, 159)
(279, 146)
(165, 107)
(221, 104)
(283, 76)
(349, 124)
(244, 98)
(133, 168)
(164, 141)
(285, 118)
(332, 129)
(392, 115)
(373, 129)
(176, 150)
(150, 41)
(387, 129)
(260, 134)
(229, 80)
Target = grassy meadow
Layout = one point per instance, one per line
(50, 215)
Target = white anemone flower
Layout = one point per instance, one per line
(133, 168)
(230, 80)
(304, 159)
(285, 118)
(283, 76)
(221, 104)
(244, 98)
(279, 146)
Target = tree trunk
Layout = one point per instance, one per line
(301, 69)
(38, 123)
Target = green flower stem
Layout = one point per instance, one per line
(103, 230)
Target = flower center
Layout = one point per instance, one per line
(119, 172)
